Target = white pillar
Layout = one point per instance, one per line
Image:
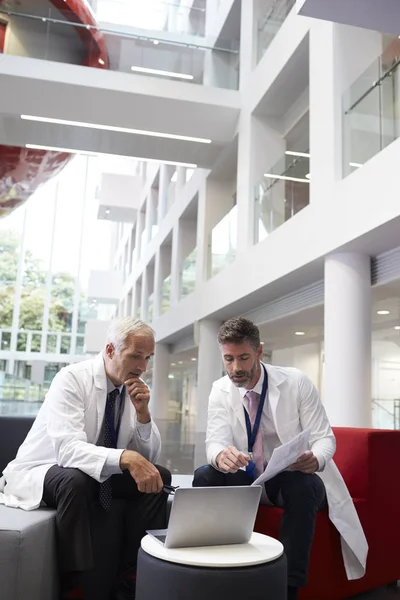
(139, 231)
(160, 388)
(175, 265)
(248, 32)
(209, 369)
(144, 300)
(347, 389)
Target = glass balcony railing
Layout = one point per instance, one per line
(371, 110)
(222, 243)
(283, 192)
(55, 342)
(272, 15)
(188, 275)
(169, 54)
(159, 15)
(166, 294)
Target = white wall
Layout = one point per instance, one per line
(307, 358)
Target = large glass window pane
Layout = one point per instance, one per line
(10, 247)
(188, 274)
(371, 108)
(281, 194)
(222, 244)
(271, 15)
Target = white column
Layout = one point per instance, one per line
(165, 180)
(325, 111)
(202, 237)
(158, 281)
(139, 231)
(160, 388)
(347, 386)
(144, 300)
(248, 32)
(209, 369)
(175, 265)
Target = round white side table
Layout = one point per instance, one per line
(260, 549)
(254, 571)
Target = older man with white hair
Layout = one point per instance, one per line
(94, 440)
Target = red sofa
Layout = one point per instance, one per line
(369, 460)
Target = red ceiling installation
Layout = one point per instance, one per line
(2, 35)
(23, 170)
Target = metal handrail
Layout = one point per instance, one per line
(126, 34)
(373, 86)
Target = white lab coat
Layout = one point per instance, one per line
(65, 433)
(295, 405)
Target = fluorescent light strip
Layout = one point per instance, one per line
(169, 136)
(356, 165)
(94, 154)
(293, 153)
(161, 72)
(286, 177)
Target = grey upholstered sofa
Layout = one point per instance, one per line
(28, 567)
(28, 559)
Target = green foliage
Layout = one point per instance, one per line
(33, 295)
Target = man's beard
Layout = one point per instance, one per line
(245, 376)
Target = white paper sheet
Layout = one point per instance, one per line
(284, 456)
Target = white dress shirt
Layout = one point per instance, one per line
(112, 466)
(269, 436)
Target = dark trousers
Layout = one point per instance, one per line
(73, 494)
(301, 497)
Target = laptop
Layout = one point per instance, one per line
(210, 516)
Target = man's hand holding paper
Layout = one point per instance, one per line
(288, 455)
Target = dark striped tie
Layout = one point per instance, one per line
(105, 492)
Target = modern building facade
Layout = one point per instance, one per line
(255, 172)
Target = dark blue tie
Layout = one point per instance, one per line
(105, 492)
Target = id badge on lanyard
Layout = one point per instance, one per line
(252, 432)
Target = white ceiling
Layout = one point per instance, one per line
(72, 93)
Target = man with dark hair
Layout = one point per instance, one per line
(253, 410)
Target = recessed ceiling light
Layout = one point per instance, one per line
(180, 362)
(101, 127)
(397, 327)
(94, 154)
(173, 364)
(299, 333)
(194, 359)
(286, 177)
(107, 211)
(171, 376)
(161, 72)
(293, 153)
(156, 42)
(383, 312)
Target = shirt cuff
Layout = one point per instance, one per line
(112, 466)
(321, 462)
(144, 431)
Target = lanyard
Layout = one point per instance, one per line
(252, 433)
(114, 429)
